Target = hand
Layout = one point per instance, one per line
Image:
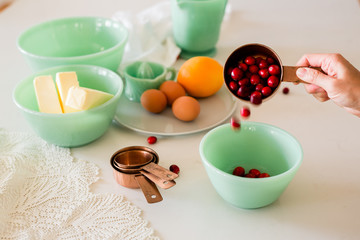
(341, 84)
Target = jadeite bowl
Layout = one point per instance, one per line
(257, 145)
(78, 40)
(71, 129)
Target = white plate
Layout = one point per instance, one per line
(213, 111)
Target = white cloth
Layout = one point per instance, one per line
(150, 35)
(44, 194)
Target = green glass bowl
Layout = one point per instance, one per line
(71, 129)
(257, 145)
(78, 40)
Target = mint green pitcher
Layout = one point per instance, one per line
(196, 25)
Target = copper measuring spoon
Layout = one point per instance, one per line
(287, 73)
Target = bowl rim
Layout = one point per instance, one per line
(251, 123)
(110, 101)
(50, 22)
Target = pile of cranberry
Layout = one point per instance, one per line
(254, 78)
(253, 173)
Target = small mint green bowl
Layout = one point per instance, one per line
(78, 40)
(71, 129)
(257, 145)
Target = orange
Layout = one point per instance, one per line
(201, 76)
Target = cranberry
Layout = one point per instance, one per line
(243, 67)
(258, 60)
(237, 74)
(245, 112)
(270, 60)
(233, 86)
(239, 171)
(250, 60)
(174, 168)
(151, 139)
(235, 123)
(256, 98)
(286, 90)
(243, 82)
(264, 73)
(263, 64)
(273, 81)
(255, 79)
(264, 175)
(259, 87)
(253, 69)
(266, 91)
(255, 171)
(274, 69)
(250, 175)
(244, 91)
(230, 70)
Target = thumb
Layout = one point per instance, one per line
(313, 76)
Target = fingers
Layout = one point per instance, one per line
(313, 76)
(319, 93)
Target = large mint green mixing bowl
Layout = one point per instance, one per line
(71, 129)
(78, 40)
(257, 145)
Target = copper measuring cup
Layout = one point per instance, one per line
(287, 73)
(137, 166)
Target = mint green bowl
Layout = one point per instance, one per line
(257, 145)
(71, 129)
(78, 40)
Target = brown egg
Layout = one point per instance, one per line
(186, 108)
(153, 100)
(172, 90)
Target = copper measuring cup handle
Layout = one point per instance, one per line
(149, 189)
(165, 184)
(290, 73)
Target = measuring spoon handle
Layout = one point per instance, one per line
(290, 74)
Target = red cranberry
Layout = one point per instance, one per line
(243, 82)
(174, 168)
(237, 74)
(244, 91)
(255, 79)
(151, 139)
(273, 81)
(264, 175)
(286, 90)
(250, 60)
(245, 112)
(274, 69)
(270, 60)
(239, 171)
(235, 123)
(253, 69)
(259, 87)
(255, 171)
(230, 70)
(243, 66)
(258, 60)
(266, 91)
(250, 175)
(264, 73)
(256, 98)
(263, 64)
(233, 86)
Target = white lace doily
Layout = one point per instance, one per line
(44, 194)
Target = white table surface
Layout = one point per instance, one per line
(322, 202)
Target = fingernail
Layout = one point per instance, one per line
(301, 72)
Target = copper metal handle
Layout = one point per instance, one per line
(165, 184)
(290, 74)
(149, 189)
(159, 171)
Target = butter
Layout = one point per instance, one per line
(85, 98)
(64, 81)
(46, 95)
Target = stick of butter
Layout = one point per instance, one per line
(64, 81)
(85, 98)
(46, 95)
